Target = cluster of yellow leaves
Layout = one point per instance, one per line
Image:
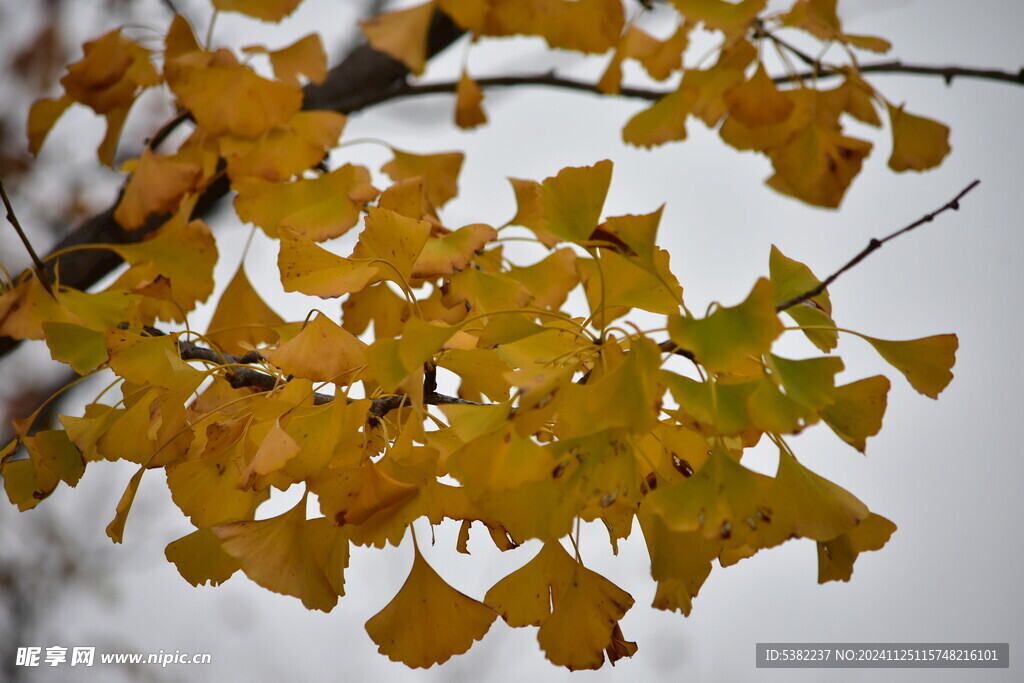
(557, 418)
(798, 128)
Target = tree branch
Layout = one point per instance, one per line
(44, 280)
(873, 245)
(240, 377)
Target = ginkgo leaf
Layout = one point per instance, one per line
(452, 252)
(205, 487)
(200, 559)
(481, 371)
(549, 280)
(226, 97)
(925, 362)
(918, 143)
(156, 185)
(857, 409)
(182, 251)
(583, 620)
(242, 319)
(42, 117)
(351, 495)
(730, 337)
(808, 505)
(394, 241)
(571, 201)
(836, 557)
(53, 458)
(289, 149)
(151, 361)
(468, 96)
(402, 34)
(729, 17)
(110, 73)
(559, 22)
(809, 382)
(722, 500)
(817, 165)
(440, 172)
(680, 562)
(81, 348)
(428, 621)
(757, 102)
(267, 10)
(311, 269)
(306, 57)
(615, 284)
(314, 208)
(792, 278)
(322, 352)
(524, 597)
(377, 304)
(115, 530)
(291, 555)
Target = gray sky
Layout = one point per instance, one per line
(946, 472)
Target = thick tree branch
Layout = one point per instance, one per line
(873, 245)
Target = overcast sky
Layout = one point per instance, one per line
(946, 472)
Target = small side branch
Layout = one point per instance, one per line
(37, 265)
(241, 376)
(873, 245)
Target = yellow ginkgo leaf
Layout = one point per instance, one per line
(452, 252)
(468, 96)
(289, 149)
(918, 143)
(730, 337)
(200, 559)
(311, 269)
(723, 500)
(306, 57)
(402, 34)
(81, 348)
(393, 242)
(731, 18)
(41, 119)
(808, 505)
(115, 530)
(559, 22)
(664, 121)
(792, 278)
(242, 319)
(680, 562)
(857, 409)
(322, 352)
(182, 251)
(110, 74)
(524, 597)
(291, 555)
(583, 620)
(817, 165)
(549, 280)
(351, 495)
(267, 10)
(156, 186)
(571, 202)
(757, 102)
(428, 621)
(440, 172)
(925, 362)
(836, 557)
(205, 486)
(226, 97)
(151, 361)
(315, 208)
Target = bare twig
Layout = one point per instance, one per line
(873, 245)
(38, 266)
